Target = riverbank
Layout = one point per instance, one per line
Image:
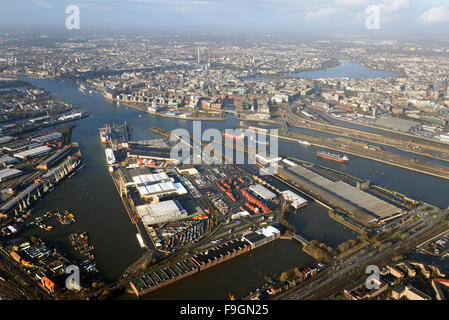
(371, 138)
(165, 115)
(428, 171)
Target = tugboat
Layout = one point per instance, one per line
(332, 156)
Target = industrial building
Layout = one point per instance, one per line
(17, 146)
(187, 169)
(262, 192)
(160, 190)
(5, 139)
(7, 174)
(145, 152)
(161, 212)
(6, 160)
(32, 153)
(266, 160)
(48, 137)
(18, 200)
(262, 236)
(54, 159)
(220, 253)
(145, 179)
(358, 203)
(162, 277)
(296, 201)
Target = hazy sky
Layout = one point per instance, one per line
(296, 16)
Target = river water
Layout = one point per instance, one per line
(346, 69)
(98, 207)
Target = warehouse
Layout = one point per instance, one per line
(31, 153)
(146, 179)
(54, 159)
(4, 161)
(262, 192)
(187, 169)
(265, 160)
(48, 137)
(144, 152)
(157, 189)
(11, 203)
(5, 139)
(296, 201)
(161, 212)
(356, 202)
(262, 236)
(7, 174)
(17, 146)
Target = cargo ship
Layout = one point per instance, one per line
(332, 156)
(233, 136)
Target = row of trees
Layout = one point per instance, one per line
(293, 275)
(283, 219)
(319, 251)
(342, 247)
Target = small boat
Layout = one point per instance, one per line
(304, 142)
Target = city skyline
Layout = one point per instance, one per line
(288, 16)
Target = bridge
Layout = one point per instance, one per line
(284, 125)
(301, 239)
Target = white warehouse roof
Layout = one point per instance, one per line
(262, 192)
(32, 152)
(7, 174)
(161, 212)
(297, 201)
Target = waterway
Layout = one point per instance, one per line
(97, 205)
(346, 69)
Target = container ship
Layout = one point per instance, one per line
(233, 136)
(332, 156)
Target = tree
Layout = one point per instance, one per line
(283, 277)
(343, 247)
(352, 242)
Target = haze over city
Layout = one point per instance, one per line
(292, 16)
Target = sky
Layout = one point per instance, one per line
(293, 16)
